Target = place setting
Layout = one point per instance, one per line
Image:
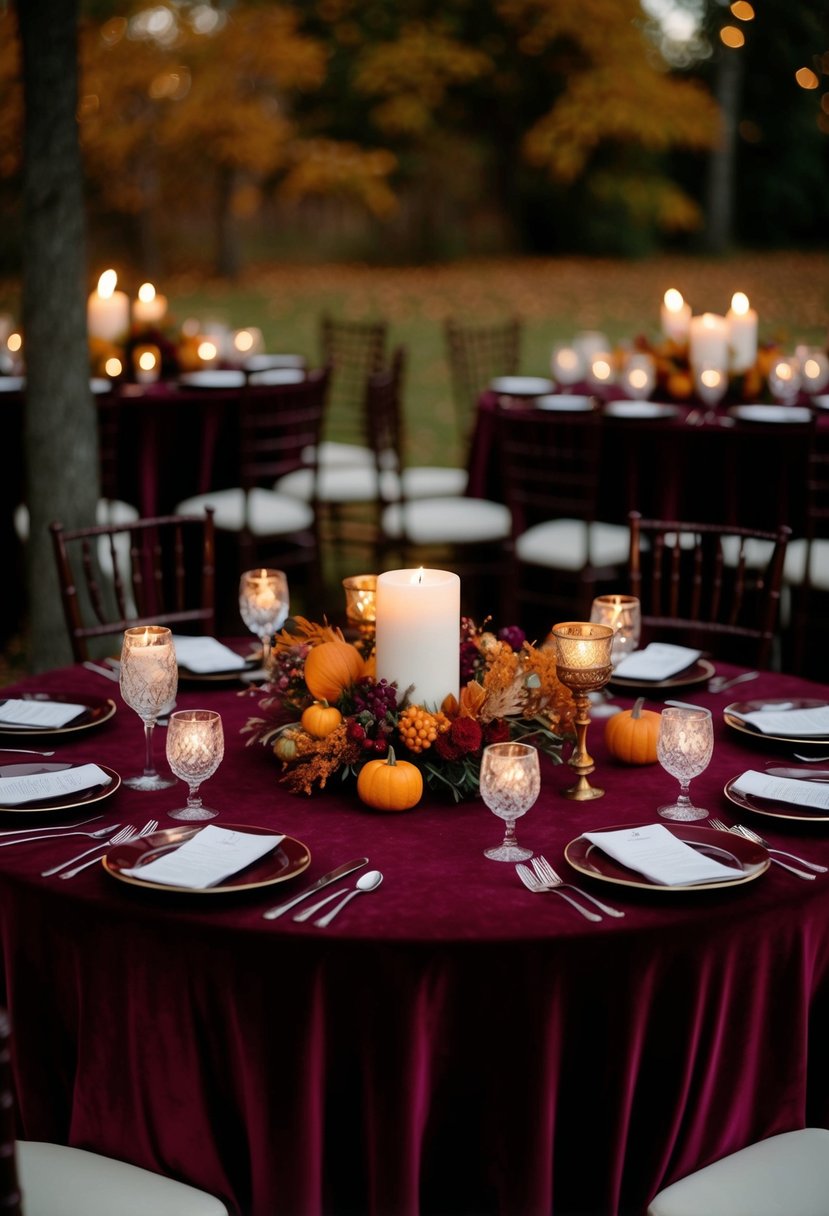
(40, 787)
(53, 714)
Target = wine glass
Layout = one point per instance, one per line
(639, 376)
(195, 749)
(784, 380)
(684, 749)
(149, 682)
(263, 604)
(510, 782)
(711, 385)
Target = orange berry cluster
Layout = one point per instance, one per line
(418, 728)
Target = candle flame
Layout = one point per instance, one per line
(710, 320)
(207, 350)
(739, 303)
(673, 300)
(601, 369)
(146, 361)
(711, 377)
(146, 293)
(113, 366)
(417, 577)
(783, 371)
(106, 284)
(243, 341)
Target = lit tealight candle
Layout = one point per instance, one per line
(248, 342)
(147, 364)
(675, 316)
(418, 633)
(742, 333)
(150, 308)
(113, 367)
(208, 352)
(601, 370)
(708, 341)
(108, 310)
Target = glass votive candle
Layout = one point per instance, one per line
(710, 385)
(814, 370)
(146, 364)
(247, 342)
(623, 614)
(566, 365)
(361, 599)
(601, 373)
(639, 375)
(784, 379)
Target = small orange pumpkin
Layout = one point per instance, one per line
(632, 734)
(320, 718)
(390, 784)
(330, 667)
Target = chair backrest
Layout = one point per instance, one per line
(550, 463)
(158, 570)
(714, 587)
(354, 350)
(476, 354)
(385, 423)
(10, 1200)
(280, 428)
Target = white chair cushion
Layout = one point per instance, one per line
(757, 552)
(448, 521)
(60, 1181)
(107, 511)
(331, 454)
(357, 483)
(786, 1175)
(794, 567)
(269, 514)
(562, 544)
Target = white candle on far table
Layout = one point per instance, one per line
(108, 310)
(150, 308)
(742, 333)
(708, 341)
(418, 633)
(675, 316)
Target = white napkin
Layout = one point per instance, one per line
(207, 858)
(39, 713)
(783, 789)
(659, 661)
(663, 858)
(203, 655)
(787, 723)
(36, 787)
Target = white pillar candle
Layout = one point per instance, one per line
(108, 310)
(708, 341)
(418, 633)
(150, 308)
(742, 333)
(675, 316)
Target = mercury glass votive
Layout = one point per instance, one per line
(361, 606)
(624, 616)
(583, 657)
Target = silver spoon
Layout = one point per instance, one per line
(367, 882)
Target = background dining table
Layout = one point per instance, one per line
(451, 1042)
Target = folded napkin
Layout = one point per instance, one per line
(203, 656)
(660, 856)
(783, 789)
(39, 713)
(37, 787)
(787, 723)
(659, 661)
(207, 858)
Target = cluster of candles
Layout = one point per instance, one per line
(110, 315)
(588, 359)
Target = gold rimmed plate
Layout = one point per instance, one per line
(698, 673)
(779, 703)
(289, 858)
(771, 808)
(96, 711)
(68, 802)
(220, 677)
(753, 859)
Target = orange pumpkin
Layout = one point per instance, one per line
(390, 784)
(331, 667)
(320, 718)
(632, 734)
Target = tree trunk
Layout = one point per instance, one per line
(722, 165)
(60, 434)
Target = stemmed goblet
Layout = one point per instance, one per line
(510, 782)
(263, 604)
(684, 749)
(149, 682)
(195, 749)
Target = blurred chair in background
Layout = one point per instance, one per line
(354, 350)
(476, 354)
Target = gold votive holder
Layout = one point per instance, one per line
(583, 658)
(361, 607)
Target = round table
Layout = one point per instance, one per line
(452, 1042)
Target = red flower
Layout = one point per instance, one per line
(466, 734)
(496, 731)
(445, 748)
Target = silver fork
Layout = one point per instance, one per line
(750, 834)
(147, 830)
(548, 875)
(739, 830)
(721, 683)
(45, 835)
(70, 827)
(121, 837)
(541, 888)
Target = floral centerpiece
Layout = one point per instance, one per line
(325, 713)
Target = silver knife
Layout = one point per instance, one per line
(800, 774)
(346, 868)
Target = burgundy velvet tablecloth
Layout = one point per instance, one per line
(451, 1043)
